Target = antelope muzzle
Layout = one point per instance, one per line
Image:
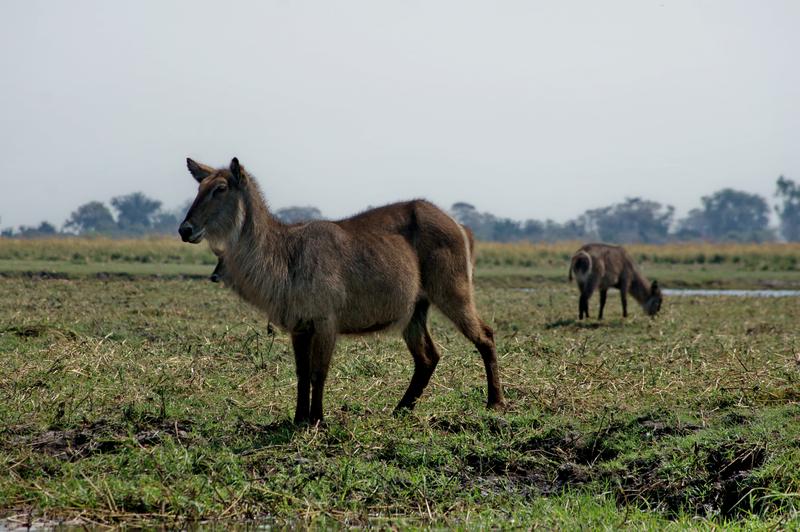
(189, 233)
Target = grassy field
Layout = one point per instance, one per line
(163, 250)
(134, 391)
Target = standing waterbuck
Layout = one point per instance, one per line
(379, 269)
(602, 266)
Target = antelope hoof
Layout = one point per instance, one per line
(402, 410)
(497, 406)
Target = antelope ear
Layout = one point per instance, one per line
(237, 171)
(198, 171)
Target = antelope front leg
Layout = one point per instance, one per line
(603, 294)
(583, 306)
(624, 296)
(322, 344)
(301, 343)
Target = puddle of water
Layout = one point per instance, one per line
(735, 293)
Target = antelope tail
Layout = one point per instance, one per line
(469, 248)
(581, 262)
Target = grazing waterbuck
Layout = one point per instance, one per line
(380, 269)
(603, 266)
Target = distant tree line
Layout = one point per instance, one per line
(132, 215)
(136, 214)
(725, 216)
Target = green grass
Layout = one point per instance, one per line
(170, 250)
(146, 250)
(139, 399)
(500, 265)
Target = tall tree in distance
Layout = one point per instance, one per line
(694, 226)
(291, 215)
(166, 222)
(488, 227)
(485, 225)
(466, 214)
(632, 221)
(736, 215)
(135, 212)
(44, 230)
(788, 192)
(92, 217)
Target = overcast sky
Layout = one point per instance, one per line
(525, 109)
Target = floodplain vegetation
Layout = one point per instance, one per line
(133, 391)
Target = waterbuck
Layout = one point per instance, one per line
(603, 266)
(380, 269)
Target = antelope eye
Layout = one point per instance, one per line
(219, 189)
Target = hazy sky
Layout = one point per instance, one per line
(526, 109)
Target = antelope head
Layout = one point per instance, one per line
(217, 210)
(654, 300)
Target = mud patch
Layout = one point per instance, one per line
(26, 331)
(37, 330)
(556, 460)
(720, 487)
(762, 328)
(532, 480)
(101, 276)
(95, 438)
(575, 324)
(541, 465)
(654, 428)
(729, 469)
(456, 426)
(44, 275)
(494, 425)
(573, 447)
